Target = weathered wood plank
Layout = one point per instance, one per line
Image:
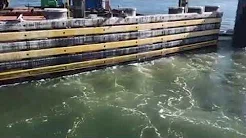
(62, 42)
(75, 23)
(102, 46)
(17, 36)
(65, 59)
(105, 61)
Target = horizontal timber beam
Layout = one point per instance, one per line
(65, 59)
(17, 36)
(102, 46)
(99, 62)
(79, 40)
(77, 23)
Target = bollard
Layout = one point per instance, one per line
(129, 11)
(92, 16)
(212, 8)
(176, 10)
(196, 9)
(55, 13)
(240, 25)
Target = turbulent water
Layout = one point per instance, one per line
(198, 94)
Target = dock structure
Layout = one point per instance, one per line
(41, 49)
(240, 25)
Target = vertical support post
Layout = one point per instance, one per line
(107, 5)
(68, 6)
(83, 9)
(79, 8)
(184, 3)
(240, 25)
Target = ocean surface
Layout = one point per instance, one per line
(197, 94)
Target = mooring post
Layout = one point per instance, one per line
(79, 8)
(239, 38)
(184, 3)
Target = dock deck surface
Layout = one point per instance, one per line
(27, 18)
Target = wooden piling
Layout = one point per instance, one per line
(240, 25)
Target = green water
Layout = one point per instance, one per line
(197, 94)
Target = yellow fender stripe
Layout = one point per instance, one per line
(16, 36)
(102, 46)
(99, 62)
